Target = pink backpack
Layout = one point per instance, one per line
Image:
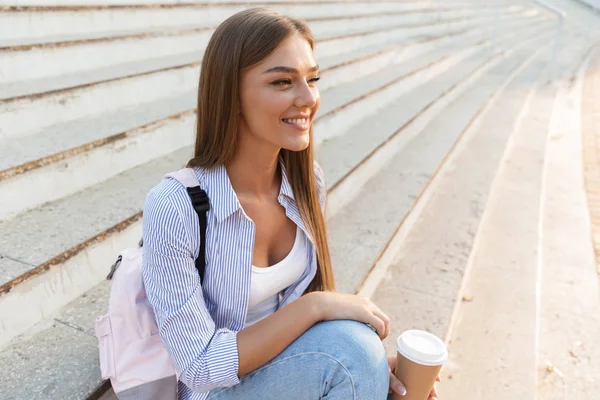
(132, 354)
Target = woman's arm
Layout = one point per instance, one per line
(261, 342)
(205, 357)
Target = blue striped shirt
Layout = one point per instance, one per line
(198, 324)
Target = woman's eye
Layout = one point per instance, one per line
(282, 82)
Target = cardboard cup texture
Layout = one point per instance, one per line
(421, 356)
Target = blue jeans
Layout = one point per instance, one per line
(333, 360)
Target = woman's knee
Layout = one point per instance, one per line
(348, 334)
(350, 341)
(360, 350)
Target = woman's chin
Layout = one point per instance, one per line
(298, 143)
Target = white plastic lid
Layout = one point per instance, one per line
(422, 348)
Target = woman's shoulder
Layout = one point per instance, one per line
(167, 190)
(172, 194)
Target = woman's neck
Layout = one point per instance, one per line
(255, 173)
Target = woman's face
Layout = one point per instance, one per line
(279, 96)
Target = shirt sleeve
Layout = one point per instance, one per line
(204, 357)
(321, 185)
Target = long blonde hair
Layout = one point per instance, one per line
(240, 42)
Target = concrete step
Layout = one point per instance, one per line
(568, 324)
(501, 284)
(580, 14)
(420, 287)
(408, 172)
(94, 92)
(113, 55)
(93, 54)
(370, 233)
(26, 26)
(520, 296)
(410, 112)
(388, 83)
(67, 172)
(594, 4)
(108, 215)
(496, 316)
(90, 101)
(591, 145)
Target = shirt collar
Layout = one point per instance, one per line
(218, 186)
(286, 188)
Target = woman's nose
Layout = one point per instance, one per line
(307, 96)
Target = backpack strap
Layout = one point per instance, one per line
(201, 205)
(199, 198)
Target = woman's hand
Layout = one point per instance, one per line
(334, 305)
(398, 387)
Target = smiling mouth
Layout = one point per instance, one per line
(301, 123)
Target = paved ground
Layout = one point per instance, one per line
(527, 314)
(529, 327)
(569, 314)
(591, 140)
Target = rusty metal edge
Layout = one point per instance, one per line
(179, 5)
(378, 14)
(54, 158)
(104, 39)
(423, 40)
(381, 30)
(53, 92)
(383, 87)
(5, 288)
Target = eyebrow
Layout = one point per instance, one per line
(289, 69)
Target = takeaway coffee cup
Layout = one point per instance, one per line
(420, 359)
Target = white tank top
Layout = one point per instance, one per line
(267, 283)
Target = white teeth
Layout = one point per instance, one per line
(299, 121)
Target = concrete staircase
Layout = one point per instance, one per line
(594, 4)
(419, 103)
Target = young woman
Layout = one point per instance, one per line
(266, 322)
